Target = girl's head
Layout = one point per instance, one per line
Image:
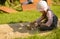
(42, 6)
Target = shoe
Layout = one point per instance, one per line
(25, 3)
(30, 2)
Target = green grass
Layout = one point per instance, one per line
(56, 10)
(17, 17)
(24, 16)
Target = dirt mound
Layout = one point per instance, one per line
(10, 31)
(29, 7)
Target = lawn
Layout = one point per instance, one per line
(19, 16)
(24, 15)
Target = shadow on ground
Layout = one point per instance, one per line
(22, 28)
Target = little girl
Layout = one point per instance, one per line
(48, 20)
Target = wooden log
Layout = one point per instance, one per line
(7, 9)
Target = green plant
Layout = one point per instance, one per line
(56, 2)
